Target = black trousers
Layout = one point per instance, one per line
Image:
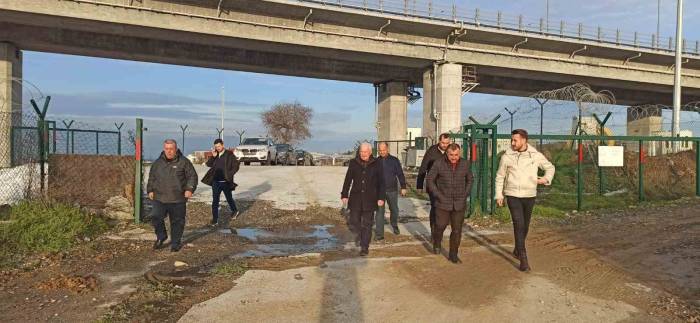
(176, 212)
(520, 212)
(361, 223)
(456, 220)
(433, 214)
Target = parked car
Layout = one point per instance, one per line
(284, 152)
(304, 158)
(258, 149)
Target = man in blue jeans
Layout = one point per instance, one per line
(393, 174)
(223, 166)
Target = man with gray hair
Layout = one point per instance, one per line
(171, 182)
(363, 190)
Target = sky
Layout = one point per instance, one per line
(97, 92)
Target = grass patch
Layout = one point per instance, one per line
(235, 268)
(502, 214)
(39, 226)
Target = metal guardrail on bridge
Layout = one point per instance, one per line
(518, 23)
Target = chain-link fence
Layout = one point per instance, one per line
(67, 161)
(19, 158)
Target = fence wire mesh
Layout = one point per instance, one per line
(19, 158)
(63, 160)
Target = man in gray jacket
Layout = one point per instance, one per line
(171, 182)
(516, 184)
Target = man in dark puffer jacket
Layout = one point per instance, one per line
(171, 182)
(450, 181)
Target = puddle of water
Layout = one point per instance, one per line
(322, 241)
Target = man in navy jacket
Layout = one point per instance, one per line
(393, 175)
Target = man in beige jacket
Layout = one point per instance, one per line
(517, 181)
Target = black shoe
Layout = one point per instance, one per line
(524, 265)
(454, 259)
(175, 248)
(364, 253)
(378, 238)
(158, 244)
(396, 231)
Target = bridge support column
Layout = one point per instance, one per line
(448, 97)
(393, 115)
(10, 98)
(442, 99)
(429, 124)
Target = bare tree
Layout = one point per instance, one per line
(288, 122)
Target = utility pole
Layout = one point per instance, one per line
(183, 128)
(511, 118)
(221, 133)
(547, 17)
(658, 24)
(675, 131)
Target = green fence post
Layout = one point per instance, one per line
(697, 168)
(484, 173)
(472, 158)
(97, 142)
(68, 134)
(119, 138)
(138, 180)
(579, 177)
(494, 168)
(72, 142)
(641, 171)
(602, 142)
(41, 127)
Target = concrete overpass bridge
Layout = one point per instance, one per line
(390, 44)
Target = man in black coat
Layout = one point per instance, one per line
(434, 153)
(171, 182)
(222, 166)
(450, 181)
(365, 176)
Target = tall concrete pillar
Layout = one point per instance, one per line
(428, 118)
(393, 115)
(10, 97)
(448, 97)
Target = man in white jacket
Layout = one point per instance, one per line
(516, 182)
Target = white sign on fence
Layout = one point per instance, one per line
(611, 156)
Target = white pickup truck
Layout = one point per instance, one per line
(257, 149)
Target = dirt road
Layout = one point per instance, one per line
(289, 257)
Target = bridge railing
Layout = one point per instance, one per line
(518, 23)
